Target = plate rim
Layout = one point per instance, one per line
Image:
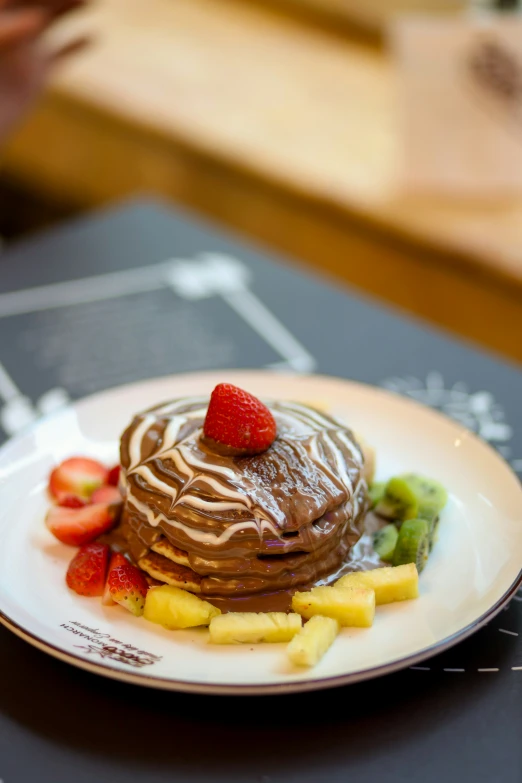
(301, 686)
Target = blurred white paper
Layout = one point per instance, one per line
(460, 104)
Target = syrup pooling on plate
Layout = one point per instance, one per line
(269, 522)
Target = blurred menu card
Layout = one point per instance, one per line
(141, 291)
(460, 103)
(145, 307)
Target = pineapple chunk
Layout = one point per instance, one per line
(310, 644)
(350, 607)
(369, 458)
(175, 608)
(390, 584)
(251, 628)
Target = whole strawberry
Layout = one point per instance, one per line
(237, 423)
(87, 570)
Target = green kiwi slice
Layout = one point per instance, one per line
(431, 496)
(399, 501)
(413, 544)
(376, 492)
(384, 542)
(434, 531)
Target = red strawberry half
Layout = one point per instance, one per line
(78, 526)
(87, 569)
(78, 476)
(106, 494)
(113, 476)
(128, 587)
(71, 501)
(117, 559)
(238, 423)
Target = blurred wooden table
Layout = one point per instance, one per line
(370, 15)
(282, 131)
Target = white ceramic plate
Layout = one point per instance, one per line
(472, 572)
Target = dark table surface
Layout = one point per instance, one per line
(181, 296)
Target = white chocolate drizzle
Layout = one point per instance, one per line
(310, 435)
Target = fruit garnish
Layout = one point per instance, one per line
(310, 644)
(369, 458)
(350, 606)
(175, 608)
(106, 494)
(410, 496)
(87, 569)
(237, 423)
(71, 501)
(117, 559)
(413, 544)
(390, 584)
(128, 587)
(376, 492)
(433, 531)
(399, 501)
(78, 526)
(253, 628)
(385, 541)
(113, 476)
(78, 476)
(431, 496)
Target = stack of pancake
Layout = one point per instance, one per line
(239, 527)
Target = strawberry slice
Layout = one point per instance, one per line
(128, 587)
(106, 494)
(117, 559)
(78, 526)
(71, 501)
(113, 476)
(78, 476)
(237, 423)
(87, 569)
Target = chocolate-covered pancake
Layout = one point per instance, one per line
(241, 525)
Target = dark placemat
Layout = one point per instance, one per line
(142, 291)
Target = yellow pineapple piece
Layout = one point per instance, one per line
(252, 627)
(310, 644)
(175, 608)
(349, 606)
(369, 458)
(390, 584)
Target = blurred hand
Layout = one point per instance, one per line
(24, 66)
